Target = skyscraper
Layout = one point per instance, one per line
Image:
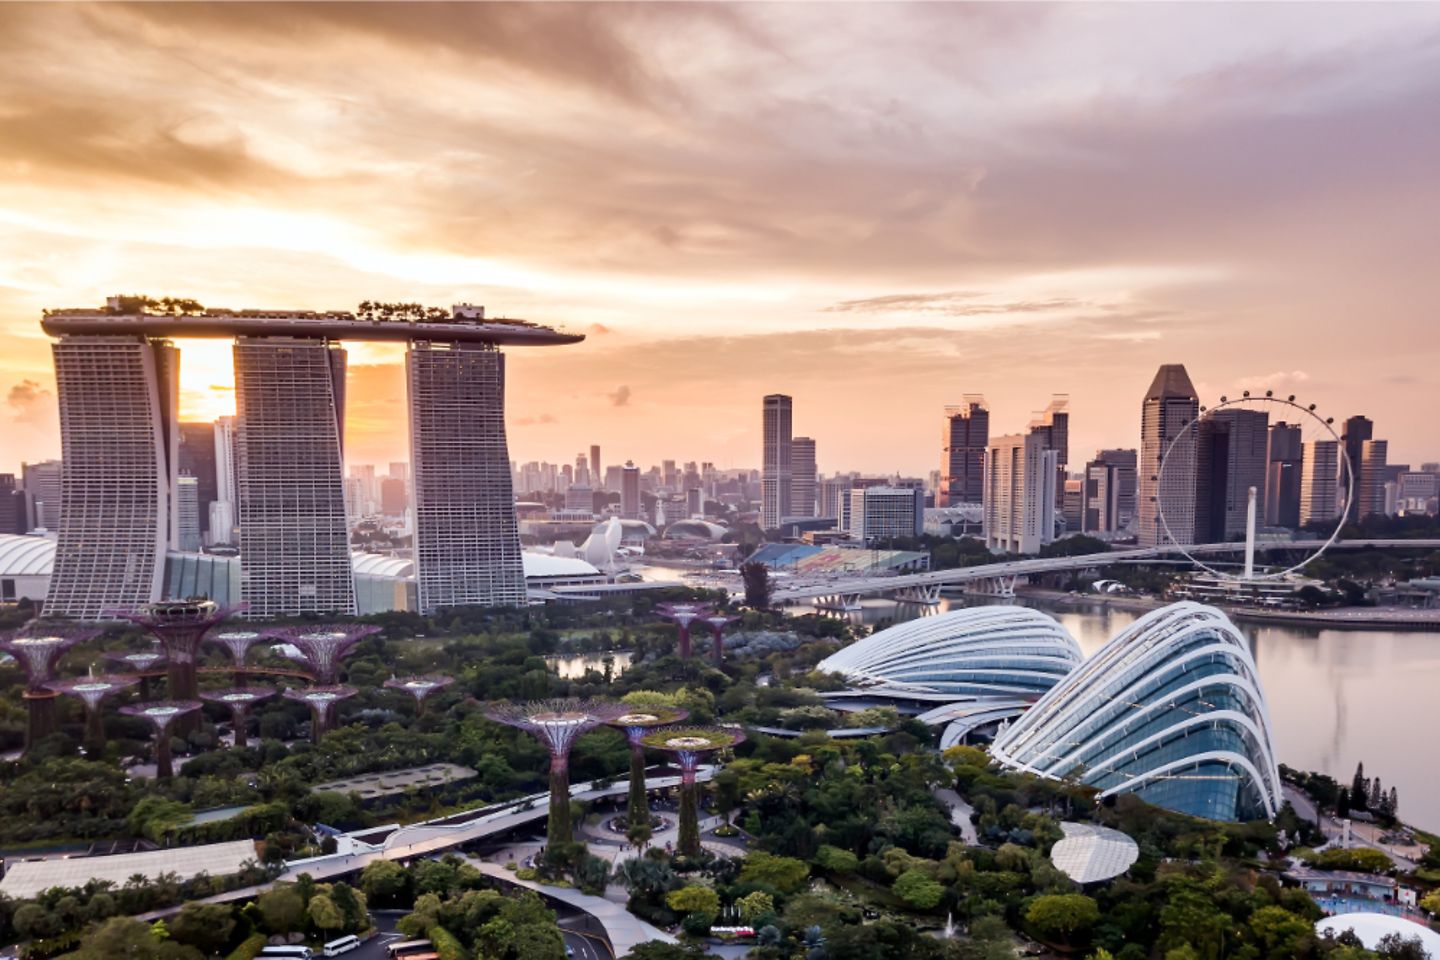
(962, 463)
(1319, 482)
(12, 505)
(1353, 435)
(1231, 448)
(118, 397)
(1053, 425)
(1370, 491)
(197, 458)
(223, 511)
(775, 476)
(802, 477)
(394, 497)
(596, 474)
(41, 483)
(467, 545)
(1108, 496)
(630, 491)
(1020, 492)
(294, 535)
(882, 512)
(187, 513)
(1282, 479)
(1169, 405)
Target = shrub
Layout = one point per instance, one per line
(526, 873)
(1364, 859)
(249, 948)
(836, 860)
(446, 945)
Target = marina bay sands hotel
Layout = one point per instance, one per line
(117, 376)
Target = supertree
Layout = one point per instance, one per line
(180, 626)
(162, 714)
(239, 642)
(683, 614)
(93, 690)
(718, 622)
(419, 687)
(142, 662)
(557, 724)
(239, 700)
(322, 702)
(37, 649)
(690, 745)
(324, 646)
(635, 724)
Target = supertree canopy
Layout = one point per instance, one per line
(419, 687)
(322, 701)
(635, 724)
(324, 645)
(162, 714)
(683, 614)
(93, 690)
(180, 626)
(238, 642)
(557, 724)
(37, 648)
(690, 745)
(240, 700)
(718, 622)
(141, 661)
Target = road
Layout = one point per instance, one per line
(1361, 834)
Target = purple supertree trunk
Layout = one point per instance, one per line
(717, 628)
(322, 702)
(689, 745)
(38, 648)
(92, 691)
(324, 646)
(240, 700)
(162, 715)
(180, 626)
(683, 614)
(635, 724)
(238, 642)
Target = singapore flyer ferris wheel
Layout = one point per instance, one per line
(1214, 444)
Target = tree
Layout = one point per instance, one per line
(282, 910)
(656, 950)
(1342, 803)
(384, 882)
(207, 927)
(836, 860)
(1279, 933)
(917, 889)
(694, 899)
(121, 938)
(1062, 917)
(755, 905)
(1431, 902)
(785, 874)
(324, 914)
(757, 584)
(1359, 788)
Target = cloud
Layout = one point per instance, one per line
(532, 421)
(621, 397)
(1280, 381)
(953, 304)
(597, 329)
(30, 403)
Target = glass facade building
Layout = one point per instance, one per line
(1170, 710)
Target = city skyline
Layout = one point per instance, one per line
(1020, 246)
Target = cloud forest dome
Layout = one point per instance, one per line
(977, 651)
(1171, 710)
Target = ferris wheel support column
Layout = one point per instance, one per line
(1250, 537)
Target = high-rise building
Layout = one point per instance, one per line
(834, 499)
(1073, 507)
(399, 470)
(42, 486)
(1053, 425)
(614, 478)
(1169, 406)
(197, 460)
(580, 498)
(695, 502)
(394, 497)
(776, 461)
(630, 491)
(1370, 491)
(596, 474)
(222, 520)
(294, 534)
(118, 398)
(467, 544)
(1356, 431)
(1319, 482)
(12, 505)
(879, 513)
(802, 477)
(1284, 453)
(1108, 497)
(1230, 459)
(1020, 492)
(963, 443)
(582, 471)
(187, 512)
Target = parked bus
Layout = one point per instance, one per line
(343, 945)
(294, 953)
(408, 949)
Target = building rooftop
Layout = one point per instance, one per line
(1090, 854)
(1171, 380)
(26, 878)
(389, 782)
(1371, 928)
(464, 325)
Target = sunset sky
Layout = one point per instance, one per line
(874, 208)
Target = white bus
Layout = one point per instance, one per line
(408, 947)
(294, 953)
(344, 945)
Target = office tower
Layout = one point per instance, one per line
(1020, 492)
(1353, 435)
(879, 513)
(1230, 458)
(467, 545)
(12, 505)
(962, 465)
(294, 535)
(197, 460)
(596, 474)
(802, 477)
(41, 483)
(399, 470)
(614, 479)
(1108, 495)
(118, 397)
(630, 491)
(187, 513)
(222, 519)
(775, 476)
(834, 499)
(1073, 508)
(365, 473)
(394, 497)
(1284, 453)
(580, 498)
(669, 475)
(1319, 482)
(1370, 491)
(1169, 405)
(582, 471)
(695, 502)
(1053, 425)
